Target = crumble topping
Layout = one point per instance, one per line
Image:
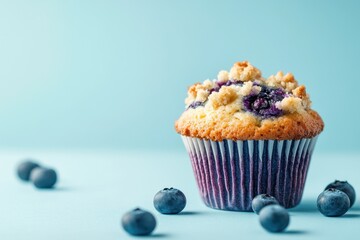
(244, 90)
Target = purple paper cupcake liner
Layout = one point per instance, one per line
(230, 173)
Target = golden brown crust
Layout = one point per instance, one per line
(288, 127)
(222, 108)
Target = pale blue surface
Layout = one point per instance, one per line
(113, 74)
(96, 188)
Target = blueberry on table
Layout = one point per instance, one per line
(24, 169)
(169, 201)
(333, 203)
(138, 222)
(346, 188)
(43, 177)
(274, 218)
(261, 201)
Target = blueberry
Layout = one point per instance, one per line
(43, 177)
(260, 103)
(169, 201)
(333, 203)
(138, 222)
(346, 188)
(196, 104)
(274, 218)
(264, 103)
(24, 169)
(261, 201)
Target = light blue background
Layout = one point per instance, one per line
(113, 74)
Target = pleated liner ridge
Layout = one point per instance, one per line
(230, 174)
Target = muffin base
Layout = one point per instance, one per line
(229, 174)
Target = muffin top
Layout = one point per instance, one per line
(242, 105)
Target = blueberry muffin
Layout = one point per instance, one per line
(248, 135)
